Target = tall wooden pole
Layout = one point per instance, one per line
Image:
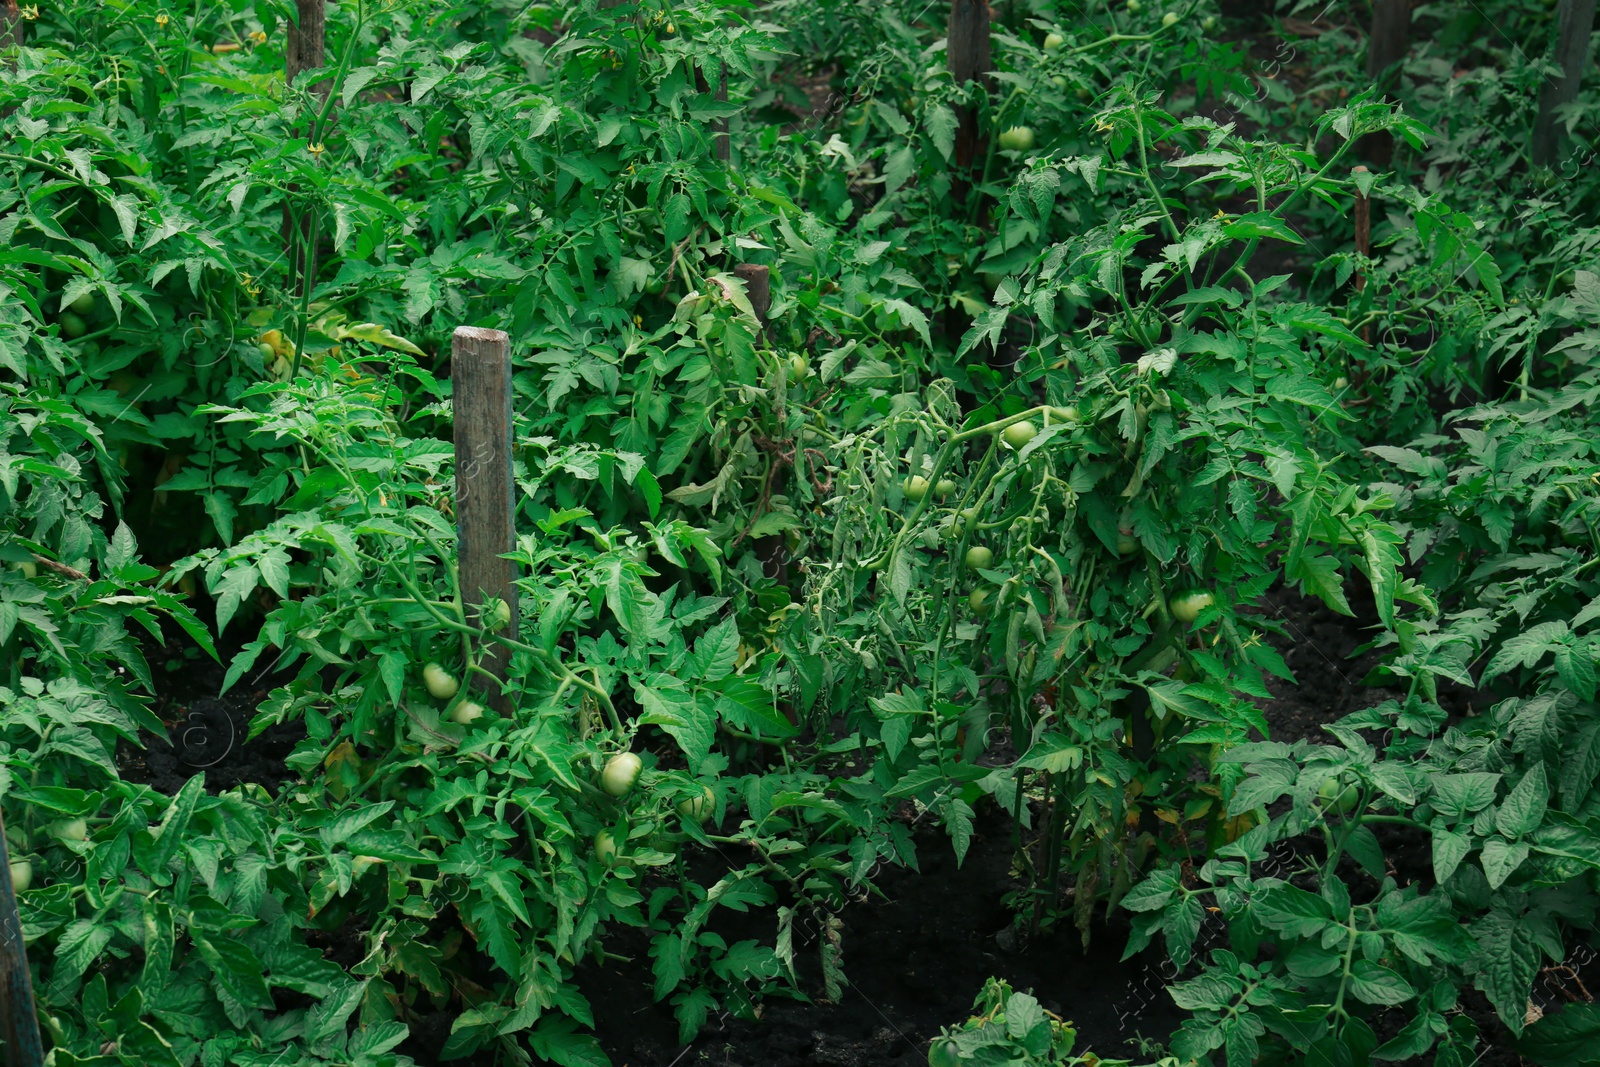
(10, 23)
(1389, 39)
(307, 38)
(304, 50)
(19, 1025)
(1574, 24)
(967, 59)
(480, 374)
(1363, 244)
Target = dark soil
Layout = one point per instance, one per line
(915, 961)
(208, 732)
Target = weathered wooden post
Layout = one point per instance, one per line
(1389, 39)
(480, 374)
(307, 42)
(967, 60)
(1574, 24)
(304, 50)
(19, 1026)
(1363, 243)
(719, 127)
(10, 23)
(758, 287)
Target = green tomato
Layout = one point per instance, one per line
(916, 488)
(1334, 798)
(1187, 608)
(1017, 138)
(73, 325)
(1059, 82)
(1341, 382)
(268, 353)
(1127, 544)
(498, 616)
(981, 600)
(944, 1052)
(699, 808)
(1209, 23)
(1068, 413)
(1082, 93)
(1052, 41)
(621, 771)
(799, 368)
(1020, 433)
(1170, 19)
(605, 847)
(466, 713)
(27, 568)
(943, 488)
(1134, 7)
(83, 305)
(979, 558)
(21, 875)
(68, 829)
(442, 685)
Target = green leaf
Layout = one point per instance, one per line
(1566, 1038)
(1501, 859)
(1374, 984)
(1523, 810)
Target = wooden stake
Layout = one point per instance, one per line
(719, 127)
(1363, 244)
(1574, 22)
(1390, 37)
(480, 372)
(967, 59)
(19, 1024)
(758, 287)
(307, 39)
(10, 23)
(305, 50)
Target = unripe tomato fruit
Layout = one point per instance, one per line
(981, 600)
(68, 829)
(442, 685)
(83, 305)
(1341, 382)
(1059, 82)
(799, 368)
(943, 488)
(73, 326)
(605, 847)
(466, 713)
(1019, 433)
(498, 616)
(21, 875)
(1127, 544)
(1134, 7)
(1052, 41)
(699, 808)
(916, 488)
(1209, 23)
(944, 1053)
(268, 353)
(1187, 608)
(26, 568)
(1169, 19)
(1068, 413)
(1017, 138)
(979, 557)
(622, 770)
(1341, 800)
